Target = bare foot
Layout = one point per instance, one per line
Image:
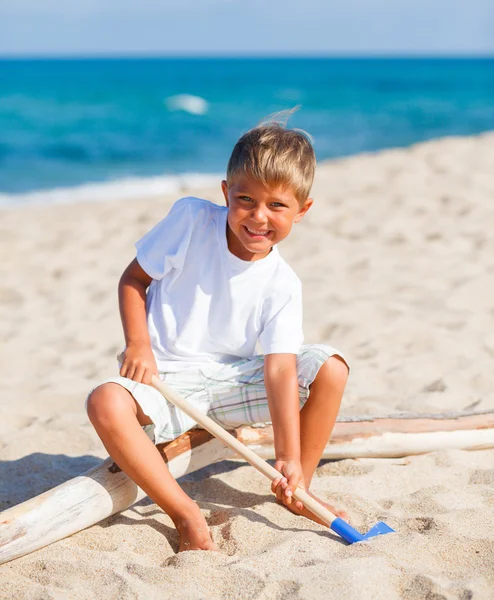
(194, 534)
(305, 512)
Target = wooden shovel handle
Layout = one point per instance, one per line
(251, 457)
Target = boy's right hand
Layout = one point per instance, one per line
(138, 363)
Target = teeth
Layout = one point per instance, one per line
(257, 232)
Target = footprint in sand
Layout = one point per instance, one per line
(482, 477)
(421, 524)
(10, 297)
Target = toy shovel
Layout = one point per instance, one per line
(339, 526)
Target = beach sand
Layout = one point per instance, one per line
(397, 262)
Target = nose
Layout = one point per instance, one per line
(259, 214)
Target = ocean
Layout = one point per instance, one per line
(116, 127)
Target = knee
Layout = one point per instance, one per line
(104, 403)
(333, 373)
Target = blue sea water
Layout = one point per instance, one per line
(69, 122)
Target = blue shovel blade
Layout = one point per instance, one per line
(378, 529)
(351, 535)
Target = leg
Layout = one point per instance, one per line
(117, 419)
(317, 419)
(318, 416)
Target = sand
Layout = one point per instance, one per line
(397, 262)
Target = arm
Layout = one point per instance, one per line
(280, 378)
(138, 362)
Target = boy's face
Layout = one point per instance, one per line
(259, 216)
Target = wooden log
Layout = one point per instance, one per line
(93, 496)
(105, 490)
(393, 436)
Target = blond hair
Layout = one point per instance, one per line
(275, 156)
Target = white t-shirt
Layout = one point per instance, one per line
(207, 305)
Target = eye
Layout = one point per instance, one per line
(246, 198)
(278, 205)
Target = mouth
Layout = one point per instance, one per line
(257, 234)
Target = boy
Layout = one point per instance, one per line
(206, 286)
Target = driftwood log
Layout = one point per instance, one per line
(105, 490)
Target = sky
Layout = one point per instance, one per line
(38, 28)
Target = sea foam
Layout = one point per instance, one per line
(194, 105)
(121, 189)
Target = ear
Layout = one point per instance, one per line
(224, 189)
(305, 207)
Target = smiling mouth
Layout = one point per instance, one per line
(256, 233)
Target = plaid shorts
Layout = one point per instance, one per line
(231, 394)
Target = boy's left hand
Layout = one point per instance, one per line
(291, 478)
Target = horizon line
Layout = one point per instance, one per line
(446, 55)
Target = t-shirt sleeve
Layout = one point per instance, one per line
(282, 317)
(164, 247)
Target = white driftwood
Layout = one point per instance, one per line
(393, 437)
(397, 445)
(104, 491)
(84, 501)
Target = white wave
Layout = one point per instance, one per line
(121, 189)
(194, 105)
